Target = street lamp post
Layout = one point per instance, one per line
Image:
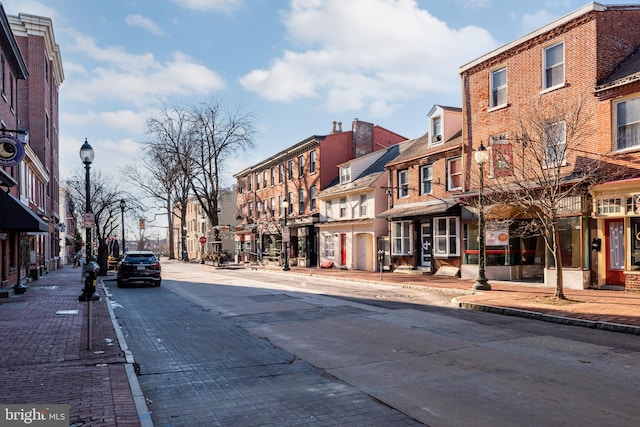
(123, 204)
(481, 283)
(86, 154)
(285, 232)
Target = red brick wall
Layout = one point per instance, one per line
(632, 282)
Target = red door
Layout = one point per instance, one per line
(343, 249)
(615, 252)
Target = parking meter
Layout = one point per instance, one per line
(90, 275)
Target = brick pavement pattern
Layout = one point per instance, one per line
(200, 369)
(44, 357)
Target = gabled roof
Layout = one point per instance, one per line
(367, 177)
(420, 148)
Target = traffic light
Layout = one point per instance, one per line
(141, 223)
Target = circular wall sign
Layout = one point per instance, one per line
(11, 150)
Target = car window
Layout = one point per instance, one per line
(140, 257)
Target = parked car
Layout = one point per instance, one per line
(139, 266)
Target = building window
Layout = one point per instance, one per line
(436, 130)
(257, 181)
(300, 166)
(454, 174)
(258, 206)
(264, 178)
(273, 208)
(328, 209)
(249, 182)
(250, 208)
(426, 179)
(279, 206)
(498, 87)
(555, 144)
(345, 174)
(240, 185)
(290, 202)
(290, 170)
(446, 235)
(280, 173)
(363, 205)
(329, 245)
(401, 238)
(554, 66)
(627, 124)
(301, 201)
(273, 177)
(312, 161)
(3, 81)
(343, 207)
(403, 183)
(312, 197)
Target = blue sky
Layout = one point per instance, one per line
(297, 65)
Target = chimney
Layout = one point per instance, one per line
(334, 127)
(339, 126)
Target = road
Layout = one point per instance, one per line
(221, 347)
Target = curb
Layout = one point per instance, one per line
(506, 311)
(138, 397)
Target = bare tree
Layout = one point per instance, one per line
(166, 161)
(541, 164)
(217, 134)
(105, 204)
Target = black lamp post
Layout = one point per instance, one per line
(123, 205)
(86, 154)
(285, 245)
(481, 157)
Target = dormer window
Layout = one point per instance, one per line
(436, 130)
(345, 174)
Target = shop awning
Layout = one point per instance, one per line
(419, 209)
(14, 215)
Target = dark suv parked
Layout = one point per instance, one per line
(139, 266)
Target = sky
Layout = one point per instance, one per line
(295, 65)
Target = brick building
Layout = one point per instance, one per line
(296, 175)
(38, 113)
(570, 60)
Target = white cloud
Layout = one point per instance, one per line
(219, 5)
(145, 23)
(533, 21)
(138, 79)
(367, 54)
(15, 7)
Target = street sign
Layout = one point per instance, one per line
(203, 240)
(89, 220)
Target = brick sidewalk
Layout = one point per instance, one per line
(44, 356)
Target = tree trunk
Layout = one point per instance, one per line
(558, 258)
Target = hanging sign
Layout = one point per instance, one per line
(11, 151)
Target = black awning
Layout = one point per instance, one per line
(14, 215)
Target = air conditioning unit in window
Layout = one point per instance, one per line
(437, 138)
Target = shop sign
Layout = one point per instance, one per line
(11, 151)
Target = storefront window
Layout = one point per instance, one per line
(634, 262)
(569, 230)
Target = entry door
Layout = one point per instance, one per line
(343, 249)
(426, 240)
(615, 252)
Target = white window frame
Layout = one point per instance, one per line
(554, 145)
(312, 197)
(633, 124)
(328, 209)
(497, 91)
(363, 205)
(403, 183)
(301, 201)
(428, 181)
(312, 161)
(345, 174)
(450, 175)
(300, 166)
(436, 130)
(402, 237)
(329, 246)
(343, 207)
(446, 236)
(546, 84)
